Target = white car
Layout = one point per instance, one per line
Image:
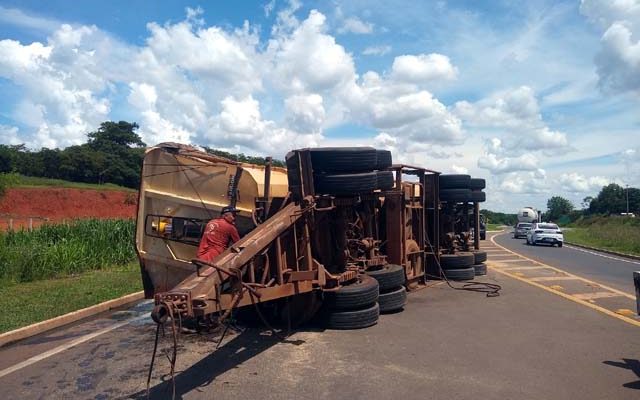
(521, 229)
(545, 232)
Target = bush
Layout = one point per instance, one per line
(55, 250)
(7, 180)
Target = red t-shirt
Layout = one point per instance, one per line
(218, 234)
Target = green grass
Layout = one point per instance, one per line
(610, 233)
(28, 303)
(57, 250)
(33, 181)
(494, 227)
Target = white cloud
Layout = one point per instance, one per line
(9, 135)
(456, 169)
(355, 25)
(618, 62)
(305, 113)
(532, 182)
(525, 162)
(423, 68)
(269, 7)
(516, 114)
(14, 16)
(376, 50)
(577, 183)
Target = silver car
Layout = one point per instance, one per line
(544, 232)
(521, 229)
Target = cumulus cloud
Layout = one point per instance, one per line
(577, 183)
(355, 25)
(222, 87)
(526, 162)
(516, 114)
(531, 182)
(376, 50)
(423, 68)
(618, 62)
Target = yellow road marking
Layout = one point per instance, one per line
(525, 267)
(595, 295)
(621, 293)
(552, 278)
(556, 287)
(626, 312)
(623, 315)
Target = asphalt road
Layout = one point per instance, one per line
(525, 344)
(610, 270)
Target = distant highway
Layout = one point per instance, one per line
(614, 271)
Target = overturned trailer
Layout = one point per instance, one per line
(341, 227)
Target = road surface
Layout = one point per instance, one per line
(601, 267)
(528, 343)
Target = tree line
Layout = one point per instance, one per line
(612, 199)
(112, 154)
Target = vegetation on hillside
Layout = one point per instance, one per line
(499, 218)
(614, 233)
(65, 249)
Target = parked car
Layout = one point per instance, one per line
(521, 229)
(545, 232)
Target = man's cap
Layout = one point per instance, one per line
(230, 209)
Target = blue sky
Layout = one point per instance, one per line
(540, 98)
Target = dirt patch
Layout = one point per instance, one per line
(60, 204)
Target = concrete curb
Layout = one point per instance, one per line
(39, 327)
(614, 253)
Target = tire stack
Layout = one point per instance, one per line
(350, 171)
(393, 294)
(479, 265)
(352, 306)
(455, 188)
(459, 266)
(476, 185)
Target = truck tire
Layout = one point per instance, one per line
(385, 180)
(462, 274)
(455, 195)
(481, 269)
(454, 181)
(354, 319)
(477, 184)
(393, 300)
(478, 196)
(360, 294)
(457, 261)
(479, 256)
(343, 159)
(346, 184)
(383, 159)
(389, 277)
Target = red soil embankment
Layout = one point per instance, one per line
(59, 204)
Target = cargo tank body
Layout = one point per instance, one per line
(181, 183)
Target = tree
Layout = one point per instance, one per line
(115, 134)
(557, 207)
(612, 199)
(586, 202)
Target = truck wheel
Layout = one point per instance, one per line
(463, 274)
(343, 159)
(456, 261)
(477, 184)
(389, 277)
(479, 256)
(478, 196)
(362, 293)
(455, 195)
(354, 319)
(383, 159)
(481, 269)
(346, 184)
(385, 180)
(559, 244)
(393, 300)
(454, 181)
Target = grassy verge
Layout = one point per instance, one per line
(17, 180)
(59, 250)
(610, 233)
(28, 303)
(494, 227)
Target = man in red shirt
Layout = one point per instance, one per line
(218, 235)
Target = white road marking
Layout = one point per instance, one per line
(69, 345)
(595, 253)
